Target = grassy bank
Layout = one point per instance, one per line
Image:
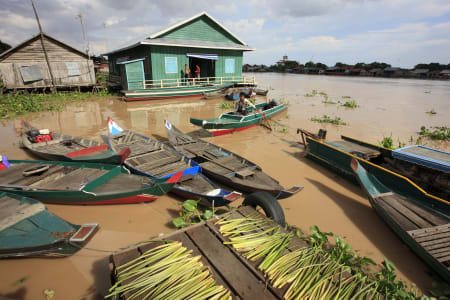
(19, 104)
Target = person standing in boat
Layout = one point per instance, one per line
(242, 103)
(187, 73)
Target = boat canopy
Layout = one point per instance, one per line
(204, 56)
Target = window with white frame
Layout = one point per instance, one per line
(171, 64)
(229, 65)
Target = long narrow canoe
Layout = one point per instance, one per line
(152, 158)
(430, 185)
(233, 121)
(424, 230)
(61, 147)
(226, 167)
(28, 229)
(79, 183)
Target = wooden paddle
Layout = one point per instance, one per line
(267, 122)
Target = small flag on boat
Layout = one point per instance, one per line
(113, 127)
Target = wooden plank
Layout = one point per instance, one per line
(444, 259)
(432, 237)
(405, 211)
(424, 213)
(437, 245)
(243, 281)
(186, 241)
(439, 250)
(442, 254)
(429, 243)
(427, 231)
(403, 222)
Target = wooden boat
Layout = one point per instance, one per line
(216, 94)
(419, 181)
(423, 229)
(55, 146)
(261, 92)
(28, 229)
(233, 121)
(234, 95)
(79, 183)
(226, 167)
(152, 158)
(188, 91)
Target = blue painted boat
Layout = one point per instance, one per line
(425, 156)
(28, 229)
(424, 229)
(155, 159)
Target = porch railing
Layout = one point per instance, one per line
(202, 81)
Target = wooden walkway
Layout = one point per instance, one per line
(227, 267)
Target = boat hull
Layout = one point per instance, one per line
(196, 92)
(339, 161)
(84, 197)
(41, 233)
(220, 126)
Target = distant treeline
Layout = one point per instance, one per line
(285, 65)
(4, 46)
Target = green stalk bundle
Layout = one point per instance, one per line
(168, 271)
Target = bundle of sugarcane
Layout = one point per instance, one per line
(168, 271)
(310, 272)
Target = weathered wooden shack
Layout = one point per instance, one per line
(159, 60)
(25, 67)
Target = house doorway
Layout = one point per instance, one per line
(207, 64)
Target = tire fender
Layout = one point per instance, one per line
(269, 205)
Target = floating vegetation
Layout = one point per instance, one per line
(320, 271)
(191, 214)
(346, 97)
(326, 101)
(284, 130)
(388, 143)
(19, 104)
(323, 94)
(167, 271)
(427, 92)
(313, 94)
(226, 105)
(350, 104)
(431, 112)
(441, 133)
(328, 119)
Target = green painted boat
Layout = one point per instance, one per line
(233, 121)
(50, 145)
(79, 183)
(188, 91)
(422, 228)
(28, 229)
(378, 161)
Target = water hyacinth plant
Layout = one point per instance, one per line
(328, 119)
(168, 271)
(314, 271)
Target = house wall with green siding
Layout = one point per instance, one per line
(159, 53)
(141, 51)
(201, 29)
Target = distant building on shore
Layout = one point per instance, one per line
(161, 57)
(285, 61)
(25, 67)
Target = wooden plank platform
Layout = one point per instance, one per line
(228, 268)
(436, 240)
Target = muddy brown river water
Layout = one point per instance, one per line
(386, 106)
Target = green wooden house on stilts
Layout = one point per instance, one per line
(154, 68)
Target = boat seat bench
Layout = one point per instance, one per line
(356, 149)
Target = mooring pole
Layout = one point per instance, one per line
(43, 47)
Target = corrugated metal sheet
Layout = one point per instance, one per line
(73, 68)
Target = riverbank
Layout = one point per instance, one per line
(328, 201)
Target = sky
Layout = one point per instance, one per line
(399, 32)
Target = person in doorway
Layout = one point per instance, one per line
(197, 71)
(187, 73)
(241, 105)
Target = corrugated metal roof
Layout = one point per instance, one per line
(195, 44)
